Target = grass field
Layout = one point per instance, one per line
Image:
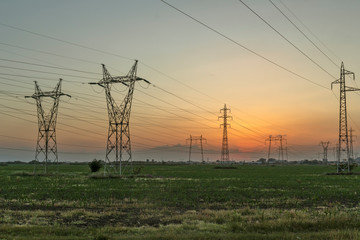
(180, 202)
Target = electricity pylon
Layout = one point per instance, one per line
(281, 138)
(274, 139)
(118, 150)
(351, 143)
(46, 147)
(190, 146)
(270, 139)
(196, 139)
(343, 158)
(325, 146)
(225, 141)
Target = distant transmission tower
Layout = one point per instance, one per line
(225, 142)
(351, 143)
(118, 149)
(343, 157)
(46, 147)
(281, 138)
(270, 139)
(190, 146)
(325, 146)
(196, 139)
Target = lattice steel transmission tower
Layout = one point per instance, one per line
(190, 146)
(275, 139)
(195, 139)
(281, 138)
(343, 158)
(46, 147)
(225, 141)
(325, 146)
(270, 139)
(118, 150)
(351, 136)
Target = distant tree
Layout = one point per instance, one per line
(314, 162)
(305, 161)
(19, 162)
(272, 160)
(261, 160)
(95, 165)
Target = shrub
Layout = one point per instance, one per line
(137, 170)
(101, 237)
(95, 165)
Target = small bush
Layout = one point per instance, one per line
(137, 170)
(101, 237)
(95, 165)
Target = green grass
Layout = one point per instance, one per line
(180, 202)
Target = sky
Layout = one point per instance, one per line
(210, 53)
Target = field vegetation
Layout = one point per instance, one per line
(180, 202)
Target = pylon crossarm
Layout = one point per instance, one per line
(351, 89)
(335, 82)
(64, 94)
(349, 73)
(125, 80)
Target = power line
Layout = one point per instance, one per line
(185, 100)
(93, 62)
(291, 43)
(83, 60)
(142, 124)
(152, 140)
(16, 149)
(73, 127)
(189, 103)
(28, 150)
(311, 32)
(189, 120)
(32, 77)
(335, 64)
(64, 41)
(48, 66)
(244, 47)
(193, 88)
(31, 140)
(85, 106)
(31, 70)
(173, 95)
(48, 53)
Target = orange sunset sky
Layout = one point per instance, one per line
(271, 87)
